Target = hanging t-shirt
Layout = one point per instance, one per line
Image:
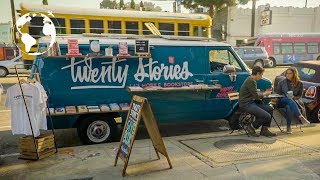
(43, 105)
(19, 118)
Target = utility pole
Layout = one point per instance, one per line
(13, 14)
(253, 18)
(306, 3)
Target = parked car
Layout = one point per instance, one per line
(7, 66)
(253, 56)
(309, 73)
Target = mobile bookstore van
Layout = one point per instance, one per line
(184, 79)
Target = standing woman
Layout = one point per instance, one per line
(292, 88)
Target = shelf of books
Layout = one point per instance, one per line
(133, 89)
(84, 109)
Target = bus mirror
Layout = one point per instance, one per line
(311, 92)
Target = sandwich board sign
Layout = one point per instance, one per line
(139, 107)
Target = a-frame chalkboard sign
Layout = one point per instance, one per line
(139, 107)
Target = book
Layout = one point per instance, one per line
(104, 107)
(60, 110)
(71, 109)
(82, 108)
(114, 106)
(124, 106)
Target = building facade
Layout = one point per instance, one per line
(234, 24)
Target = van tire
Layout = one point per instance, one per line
(96, 129)
(258, 62)
(315, 116)
(3, 72)
(272, 63)
(318, 58)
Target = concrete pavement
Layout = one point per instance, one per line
(216, 155)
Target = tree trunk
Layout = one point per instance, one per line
(211, 12)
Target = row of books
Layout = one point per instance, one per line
(84, 108)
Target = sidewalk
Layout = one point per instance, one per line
(199, 156)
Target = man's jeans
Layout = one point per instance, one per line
(291, 108)
(262, 113)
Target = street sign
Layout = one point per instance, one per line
(266, 17)
(139, 108)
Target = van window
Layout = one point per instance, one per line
(299, 48)
(77, 26)
(286, 48)
(313, 48)
(183, 29)
(258, 51)
(276, 48)
(96, 26)
(196, 31)
(219, 58)
(145, 29)
(35, 27)
(249, 51)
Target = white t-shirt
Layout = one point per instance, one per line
(19, 117)
(43, 104)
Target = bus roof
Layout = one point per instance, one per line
(111, 12)
(130, 39)
(278, 35)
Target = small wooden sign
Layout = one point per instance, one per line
(142, 47)
(139, 108)
(73, 48)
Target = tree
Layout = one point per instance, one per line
(132, 4)
(122, 6)
(108, 4)
(45, 2)
(149, 6)
(213, 5)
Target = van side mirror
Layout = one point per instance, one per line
(311, 92)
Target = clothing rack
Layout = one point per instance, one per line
(24, 100)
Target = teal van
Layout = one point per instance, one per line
(174, 62)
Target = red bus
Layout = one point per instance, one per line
(288, 48)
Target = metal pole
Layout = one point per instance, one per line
(253, 18)
(13, 14)
(306, 3)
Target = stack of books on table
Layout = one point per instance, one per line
(93, 108)
(71, 110)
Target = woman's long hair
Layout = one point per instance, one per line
(295, 79)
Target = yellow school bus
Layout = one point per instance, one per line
(69, 20)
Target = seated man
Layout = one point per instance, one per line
(250, 102)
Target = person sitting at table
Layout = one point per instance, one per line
(250, 102)
(292, 88)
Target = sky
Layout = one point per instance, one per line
(5, 13)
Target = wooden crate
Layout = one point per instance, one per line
(44, 144)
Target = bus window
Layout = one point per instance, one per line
(60, 24)
(114, 27)
(299, 48)
(183, 29)
(196, 31)
(286, 48)
(145, 29)
(77, 26)
(35, 27)
(276, 48)
(166, 28)
(313, 48)
(132, 27)
(204, 31)
(96, 26)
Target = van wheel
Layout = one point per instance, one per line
(97, 129)
(272, 62)
(258, 62)
(318, 58)
(315, 117)
(3, 72)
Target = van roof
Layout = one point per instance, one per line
(130, 39)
